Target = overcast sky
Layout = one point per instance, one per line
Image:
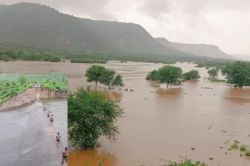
(225, 23)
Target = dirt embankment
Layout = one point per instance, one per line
(30, 96)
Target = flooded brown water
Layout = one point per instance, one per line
(163, 124)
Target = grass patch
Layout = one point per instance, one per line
(187, 163)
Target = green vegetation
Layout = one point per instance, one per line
(108, 77)
(191, 75)
(238, 73)
(243, 148)
(28, 56)
(91, 115)
(234, 146)
(88, 61)
(52, 56)
(247, 153)
(213, 73)
(14, 84)
(10, 89)
(170, 75)
(153, 75)
(94, 74)
(187, 163)
(153, 58)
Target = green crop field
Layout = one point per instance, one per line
(14, 84)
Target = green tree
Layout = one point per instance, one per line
(91, 115)
(170, 75)
(94, 74)
(153, 75)
(117, 81)
(103, 75)
(110, 79)
(238, 73)
(213, 72)
(191, 75)
(107, 77)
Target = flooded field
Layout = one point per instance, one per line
(28, 137)
(199, 121)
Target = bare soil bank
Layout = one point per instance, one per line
(31, 95)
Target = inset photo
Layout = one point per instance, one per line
(33, 119)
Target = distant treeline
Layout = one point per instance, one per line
(87, 61)
(33, 55)
(200, 61)
(28, 56)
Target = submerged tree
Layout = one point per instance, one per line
(191, 75)
(91, 115)
(153, 75)
(104, 76)
(238, 73)
(213, 72)
(107, 77)
(117, 81)
(94, 74)
(110, 79)
(170, 75)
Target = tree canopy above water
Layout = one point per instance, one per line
(191, 75)
(108, 77)
(170, 75)
(91, 115)
(213, 72)
(238, 73)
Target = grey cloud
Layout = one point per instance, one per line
(95, 8)
(155, 8)
(92, 8)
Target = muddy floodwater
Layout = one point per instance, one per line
(198, 121)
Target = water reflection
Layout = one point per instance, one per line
(239, 95)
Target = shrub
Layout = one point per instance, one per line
(91, 115)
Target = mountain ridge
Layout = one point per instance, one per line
(195, 49)
(36, 26)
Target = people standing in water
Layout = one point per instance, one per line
(64, 156)
(51, 118)
(58, 137)
(48, 115)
